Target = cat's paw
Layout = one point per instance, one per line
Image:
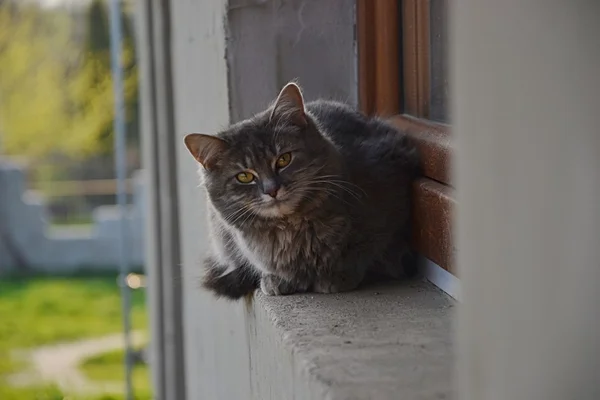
(343, 282)
(326, 286)
(272, 285)
(335, 285)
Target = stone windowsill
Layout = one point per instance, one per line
(389, 341)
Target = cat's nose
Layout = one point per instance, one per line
(271, 188)
(272, 191)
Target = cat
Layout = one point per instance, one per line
(304, 197)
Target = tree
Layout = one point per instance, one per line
(33, 107)
(94, 90)
(56, 98)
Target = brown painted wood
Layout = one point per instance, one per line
(433, 206)
(387, 69)
(365, 27)
(415, 42)
(379, 67)
(380, 93)
(378, 56)
(434, 143)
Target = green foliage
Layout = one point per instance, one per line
(32, 105)
(97, 40)
(95, 91)
(56, 93)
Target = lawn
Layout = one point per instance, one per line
(108, 367)
(43, 310)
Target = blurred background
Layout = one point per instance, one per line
(60, 305)
(501, 97)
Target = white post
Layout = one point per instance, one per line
(526, 96)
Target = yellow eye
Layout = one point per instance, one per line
(284, 160)
(244, 177)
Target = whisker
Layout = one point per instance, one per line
(246, 212)
(340, 181)
(347, 185)
(328, 191)
(339, 186)
(236, 215)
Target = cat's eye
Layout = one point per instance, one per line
(244, 177)
(284, 160)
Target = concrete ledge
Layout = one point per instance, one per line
(382, 342)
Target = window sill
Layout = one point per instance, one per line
(381, 342)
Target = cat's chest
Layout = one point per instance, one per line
(288, 246)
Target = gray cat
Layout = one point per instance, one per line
(304, 198)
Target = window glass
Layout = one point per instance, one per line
(439, 96)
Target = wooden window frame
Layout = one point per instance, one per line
(382, 50)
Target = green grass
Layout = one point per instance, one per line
(108, 367)
(33, 393)
(44, 310)
(52, 393)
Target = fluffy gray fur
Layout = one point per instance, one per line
(339, 208)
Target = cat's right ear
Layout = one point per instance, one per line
(290, 105)
(205, 149)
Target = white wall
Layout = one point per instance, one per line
(525, 94)
(27, 238)
(205, 73)
(215, 342)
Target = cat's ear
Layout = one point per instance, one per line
(290, 105)
(206, 149)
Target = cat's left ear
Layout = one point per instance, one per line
(206, 149)
(290, 105)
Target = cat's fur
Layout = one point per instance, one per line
(342, 204)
